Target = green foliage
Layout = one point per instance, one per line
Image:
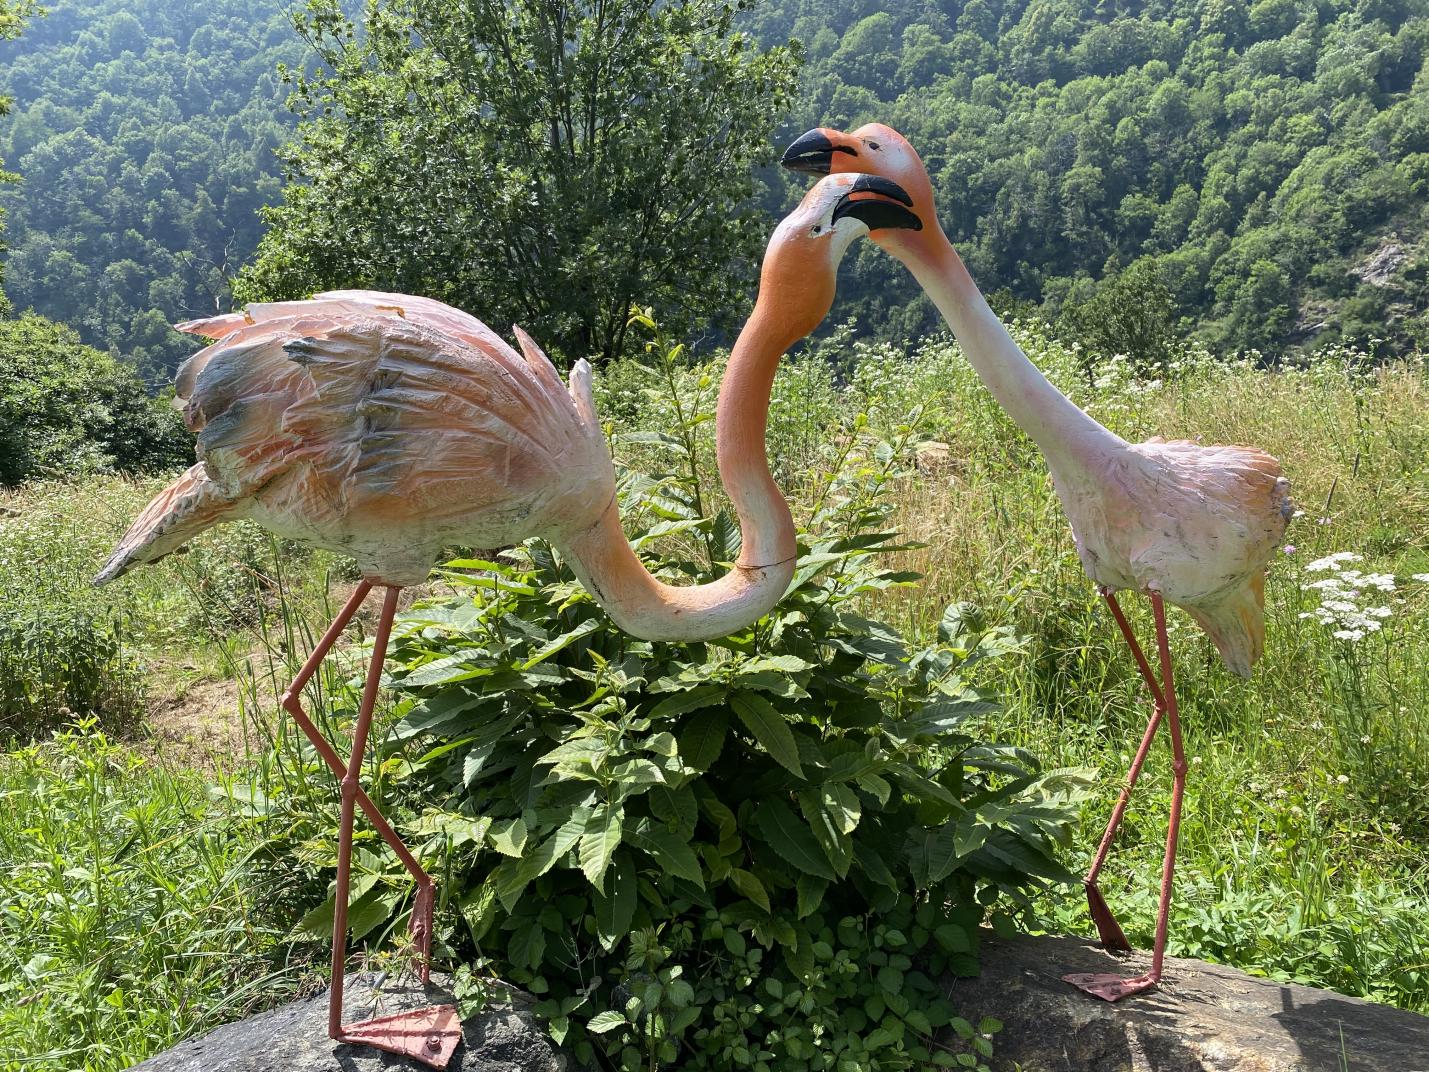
(59, 660)
(547, 161)
(12, 20)
(66, 408)
(144, 135)
(1259, 154)
(1131, 314)
(126, 918)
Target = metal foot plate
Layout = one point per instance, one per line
(1110, 987)
(429, 1035)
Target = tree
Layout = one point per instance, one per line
(545, 161)
(1132, 313)
(67, 408)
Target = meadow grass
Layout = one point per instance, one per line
(1303, 842)
(132, 910)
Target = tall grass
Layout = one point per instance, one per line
(131, 911)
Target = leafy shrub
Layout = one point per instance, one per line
(759, 852)
(59, 660)
(66, 408)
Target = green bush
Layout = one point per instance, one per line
(760, 852)
(66, 408)
(59, 660)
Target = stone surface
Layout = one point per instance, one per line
(293, 1038)
(1203, 1018)
(1381, 266)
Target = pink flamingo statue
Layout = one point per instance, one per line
(1186, 524)
(386, 426)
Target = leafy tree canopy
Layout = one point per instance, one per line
(544, 161)
(68, 408)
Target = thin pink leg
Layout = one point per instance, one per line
(1114, 987)
(430, 1034)
(291, 700)
(1178, 790)
(1107, 927)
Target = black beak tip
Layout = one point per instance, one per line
(812, 153)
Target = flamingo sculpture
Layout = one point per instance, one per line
(387, 426)
(1186, 524)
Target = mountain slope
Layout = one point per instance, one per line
(143, 132)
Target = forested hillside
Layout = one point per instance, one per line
(1264, 166)
(143, 132)
(1270, 158)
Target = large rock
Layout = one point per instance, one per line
(1203, 1018)
(502, 1037)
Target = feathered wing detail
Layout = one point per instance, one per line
(1236, 625)
(1236, 508)
(176, 515)
(379, 425)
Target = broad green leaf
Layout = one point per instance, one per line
(768, 727)
(682, 703)
(748, 884)
(790, 837)
(598, 843)
(448, 669)
(508, 836)
(527, 946)
(842, 805)
(565, 640)
(702, 738)
(609, 1020)
(873, 865)
(836, 845)
(934, 854)
(670, 851)
(675, 807)
(615, 910)
(810, 892)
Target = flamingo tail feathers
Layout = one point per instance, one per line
(185, 508)
(1236, 625)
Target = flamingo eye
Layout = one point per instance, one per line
(871, 144)
(817, 228)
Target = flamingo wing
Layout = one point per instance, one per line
(349, 409)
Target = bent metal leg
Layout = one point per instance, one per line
(1104, 985)
(428, 1034)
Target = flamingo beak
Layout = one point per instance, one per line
(876, 212)
(814, 152)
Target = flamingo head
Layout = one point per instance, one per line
(872, 149)
(801, 264)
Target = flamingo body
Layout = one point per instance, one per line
(382, 426)
(1197, 524)
(1184, 523)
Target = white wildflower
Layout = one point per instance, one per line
(1332, 562)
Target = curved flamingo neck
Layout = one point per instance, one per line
(641, 605)
(1061, 428)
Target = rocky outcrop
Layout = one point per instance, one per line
(502, 1037)
(1203, 1018)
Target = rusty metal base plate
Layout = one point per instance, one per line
(1110, 987)
(429, 1035)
